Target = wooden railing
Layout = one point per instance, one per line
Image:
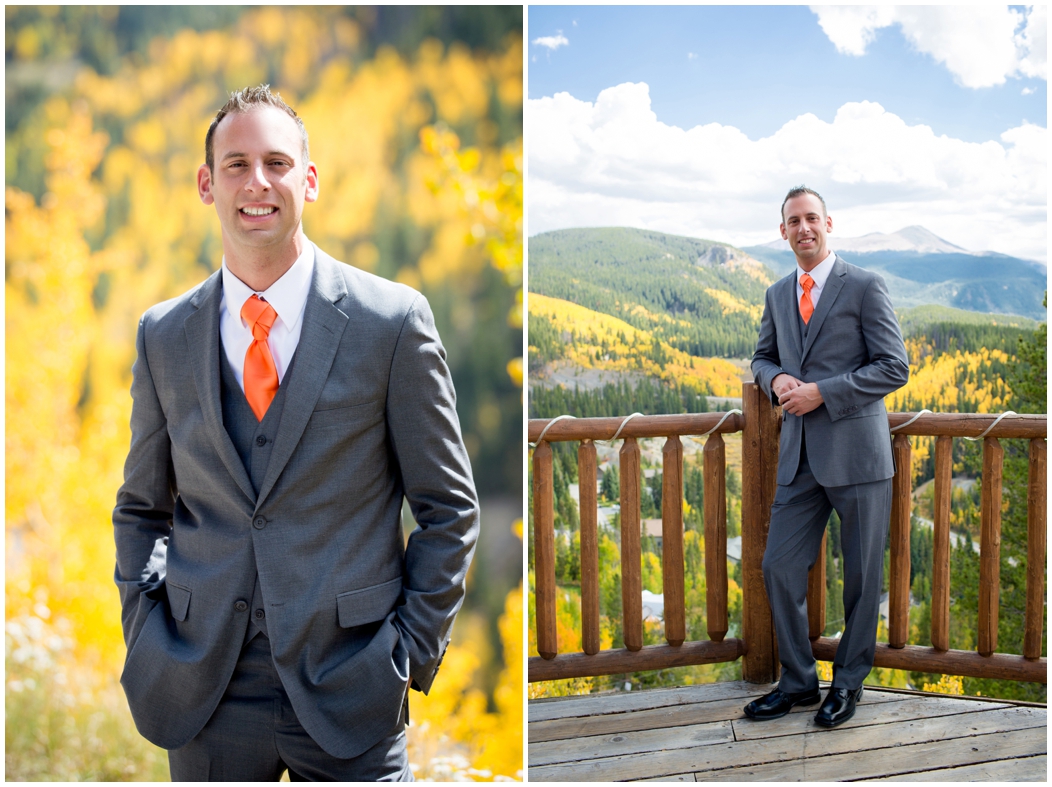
(760, 424)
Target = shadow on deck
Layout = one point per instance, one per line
(699, 733)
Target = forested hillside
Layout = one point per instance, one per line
(589, 339)
(698, 296)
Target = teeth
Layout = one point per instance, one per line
(258, 211)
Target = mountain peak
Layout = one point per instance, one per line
(913, 238)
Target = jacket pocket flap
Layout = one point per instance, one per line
(178, 600)
(357, 607)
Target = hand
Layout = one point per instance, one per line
(801, 399)
(783, 383)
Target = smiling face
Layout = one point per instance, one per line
(805, 225)
(258, 186)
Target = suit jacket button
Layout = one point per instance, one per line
(259, 523)
(261, 441)
(240, 605)
(260, 614)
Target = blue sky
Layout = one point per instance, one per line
(754, 67)
(693, 119)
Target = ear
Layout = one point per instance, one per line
(311, 194)
(829, 223)
(781, 229)
(204, 184)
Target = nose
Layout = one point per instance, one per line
(257, 180)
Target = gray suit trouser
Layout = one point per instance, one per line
(254, 736)
(798, 520)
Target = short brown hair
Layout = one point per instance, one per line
(242, 101)
(797, 191)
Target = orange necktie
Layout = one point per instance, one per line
(261, 375)
(806, 307)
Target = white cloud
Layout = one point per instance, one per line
(853, 28)
(691, 56)
(981, 45)
(552, 42)
(1027, 91)
(1034, 40)
(613, 163)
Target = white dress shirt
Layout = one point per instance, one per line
(288, 296)
(819, 273)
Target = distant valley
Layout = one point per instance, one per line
(921, 268)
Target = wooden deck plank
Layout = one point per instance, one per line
(681, 777)
(662, 717)
(595, 746)
(789, 748)
(1026, 769)
(876, 763)
(622, 702)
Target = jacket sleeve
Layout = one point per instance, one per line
(887, 368)
(766, 362)
(142, 518)
(436, 475)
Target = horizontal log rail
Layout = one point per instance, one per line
(967, 663)
(649, 657)
(760, 424)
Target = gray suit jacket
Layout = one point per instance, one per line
(854, 352)
(353, 614)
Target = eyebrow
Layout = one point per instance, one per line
(238, 154)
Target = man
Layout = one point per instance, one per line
(829, 351)
(273, 614)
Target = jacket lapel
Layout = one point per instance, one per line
(834, 284)
(323, 326)
(202, 335)
(794, 313)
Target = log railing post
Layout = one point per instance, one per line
(586, 475)
(544, 546)
(1036, 498)
(759, 473)
(672, 540)
(631, 569)
(899, 592)
(715, 475)
(816, 594)
(940, 573)
(990, 546)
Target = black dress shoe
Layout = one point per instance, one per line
(778, 703)
(838, 707)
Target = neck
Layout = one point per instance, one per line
(260, 268)
(810, 264)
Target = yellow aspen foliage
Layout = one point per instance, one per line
(949, 382)
(593, 340)
(947, 684)
(60, 481)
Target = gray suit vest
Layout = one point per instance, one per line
(253, 441)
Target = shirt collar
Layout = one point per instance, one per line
(288, 295)
(820, 272)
